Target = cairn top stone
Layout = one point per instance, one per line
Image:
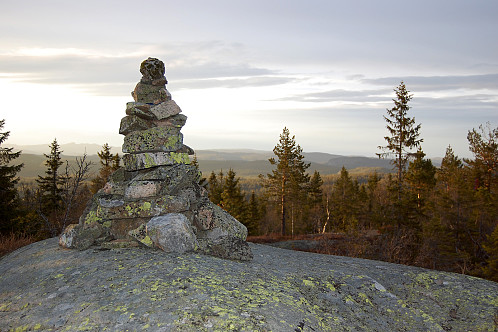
(152, 69)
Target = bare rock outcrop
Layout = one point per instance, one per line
(44, 287)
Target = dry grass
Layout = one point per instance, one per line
(11, 242)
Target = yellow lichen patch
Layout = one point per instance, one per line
(308, 283)
(92, 217)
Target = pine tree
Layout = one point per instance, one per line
(108, 164)
(484, 169)
(288, 181)
(404, 136)
(484, 146)
(51, 184)
(8, 181)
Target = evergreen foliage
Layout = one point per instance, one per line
(51, 184)
(287, 183)
(8, 180)
(108, 164)
(404, 135)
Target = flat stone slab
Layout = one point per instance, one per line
(138, 161)
(43, 287)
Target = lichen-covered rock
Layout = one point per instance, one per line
(215, 223)
(227, 247)
(82, 236)
(139, 161)
(153, 140)
(172, 233)
(165, 110)
(152, 69)
(43, 288)
(150, 94)
(177, 121)
(133, 123)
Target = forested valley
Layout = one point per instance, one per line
(441, 218)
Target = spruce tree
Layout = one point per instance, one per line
(344, 201)
(51, 184)
(8, 181)
(403, 137)
(232, 198)
(253, 215)
(287, 183)
(108, 164)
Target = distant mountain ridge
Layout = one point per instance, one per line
(245, 162)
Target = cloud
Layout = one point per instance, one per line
(190, 65)
(439, 83)
(340, 95)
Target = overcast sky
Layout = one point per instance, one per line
(243, 70)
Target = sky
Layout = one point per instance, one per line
(243, 70)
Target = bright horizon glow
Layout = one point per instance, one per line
(242, 72)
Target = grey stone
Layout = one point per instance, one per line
(172, 233)
(140, 110)
(165, 110)
(153, 140)
(279, 290)
(80, 236)
(177, 121)
(150, 94)
(139, 161)
(133, 123)
(152, 69)
(217, 223)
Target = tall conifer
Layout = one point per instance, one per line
(8, 181)
(288, 181)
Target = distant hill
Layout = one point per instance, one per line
(69, 149)
(245, 162)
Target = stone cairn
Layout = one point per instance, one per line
(156, 200)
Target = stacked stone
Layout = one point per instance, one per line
(156, 199)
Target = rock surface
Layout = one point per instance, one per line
(44, 287)
(157, 182)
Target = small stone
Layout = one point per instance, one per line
(152, 69)
(172, 233)
(150, 94)
(165, 109)
(177, 121)
(133, 123)
(140, 234)
(80, 237)
(186, 149)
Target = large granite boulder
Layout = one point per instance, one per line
(43, 288)
(156, 199)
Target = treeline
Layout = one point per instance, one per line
(34, 211)
(442, 218)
